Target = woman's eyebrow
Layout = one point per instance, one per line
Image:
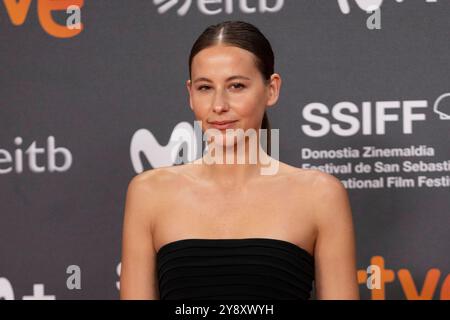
(228, 79)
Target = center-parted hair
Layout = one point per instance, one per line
(245, 36)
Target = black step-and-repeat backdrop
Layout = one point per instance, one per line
(93, 92)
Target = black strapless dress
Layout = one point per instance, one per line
(248, 268)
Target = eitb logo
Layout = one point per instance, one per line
(219, 6)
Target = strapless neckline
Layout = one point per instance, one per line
(236, 268)
(227, 241)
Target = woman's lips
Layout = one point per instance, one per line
(223, 126)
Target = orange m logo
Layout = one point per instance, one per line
(18, 11)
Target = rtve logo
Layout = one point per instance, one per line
(17, 10)
(377, 278)
(212, 7)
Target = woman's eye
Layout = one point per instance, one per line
(234, 85)
(238, 85)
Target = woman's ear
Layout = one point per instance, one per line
(274, 89)
(189, 87)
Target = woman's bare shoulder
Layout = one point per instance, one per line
(149, 192)
(322, 188)
(157, 183)
(314, 179)
(152, 177)
(329, 197)
(325, 195)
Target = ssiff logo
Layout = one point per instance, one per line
(363, 120)
(17, 11)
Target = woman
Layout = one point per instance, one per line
(212, 230)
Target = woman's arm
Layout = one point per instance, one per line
(334, 252)
(138, 276)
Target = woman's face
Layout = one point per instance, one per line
(226, 85)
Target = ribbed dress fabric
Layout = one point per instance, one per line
(248, 268)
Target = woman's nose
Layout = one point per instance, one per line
(220, 103)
